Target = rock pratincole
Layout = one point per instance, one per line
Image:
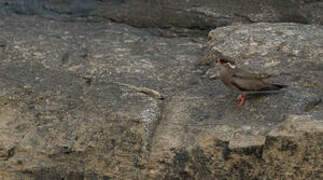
(244, 82)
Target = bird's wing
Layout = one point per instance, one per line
(240, 73)
(250, 84)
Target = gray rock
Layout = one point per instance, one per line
(208, 13)
(193, 14)
(50, 8)
(62, 114)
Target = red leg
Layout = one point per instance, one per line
(241, 101)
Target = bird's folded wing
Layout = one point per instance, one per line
(245, 84)
(248, 75)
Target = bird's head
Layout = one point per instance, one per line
(226, 63)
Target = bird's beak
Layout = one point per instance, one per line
(218, 61)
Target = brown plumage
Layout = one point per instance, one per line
(243, 81)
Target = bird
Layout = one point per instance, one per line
(243, 81)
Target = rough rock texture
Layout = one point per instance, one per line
(203, 14)
(63, 116)
(192, 14)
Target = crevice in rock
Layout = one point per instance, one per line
(161, 106)
(246, 18)
(10, 153)
(255, 151)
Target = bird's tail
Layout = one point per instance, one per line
(272, 88)
(275, 86)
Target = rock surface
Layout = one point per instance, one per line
(63, 116)
(192, 14)
(207, 14)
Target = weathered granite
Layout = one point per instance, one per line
(186, 14)
(63, 116)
